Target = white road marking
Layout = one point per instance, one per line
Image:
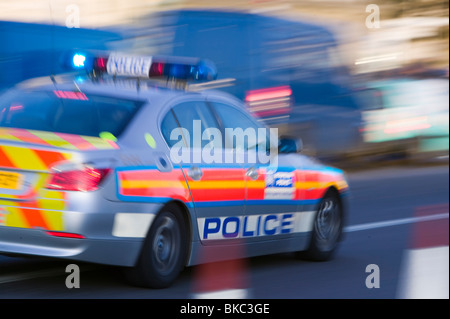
(395, 222)
(425, 274)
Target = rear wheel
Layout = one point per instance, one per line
(327, 229)
(163, 253)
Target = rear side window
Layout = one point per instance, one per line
(188, 120)
(241, 130)
(66, 112)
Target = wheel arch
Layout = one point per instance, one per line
(333, 190)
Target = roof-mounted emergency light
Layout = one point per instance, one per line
(117, 64)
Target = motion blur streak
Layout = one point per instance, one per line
(356, 94)
(222, 280)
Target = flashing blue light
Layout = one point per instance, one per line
(79, 60)
(206, 71)
(183, 68)
(117, 64)
(201, 71)
(179, 71)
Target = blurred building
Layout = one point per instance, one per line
(90, 14)
(408, 31)
(374, 42)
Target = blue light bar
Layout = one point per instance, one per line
(176, 68)
(179, 68)
(200, 70)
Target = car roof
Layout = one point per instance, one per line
(123, 88)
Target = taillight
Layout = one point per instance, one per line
(82, 179)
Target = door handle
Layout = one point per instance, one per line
(195, 173)
(252, 172)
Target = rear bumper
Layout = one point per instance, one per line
(23, 229)
(118, 252)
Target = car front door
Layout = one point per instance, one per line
(217, 188)
(271, 207)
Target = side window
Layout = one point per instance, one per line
(242, 131)
(192, 119)
(167, 126)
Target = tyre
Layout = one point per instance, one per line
(164, 251)
(327, 229)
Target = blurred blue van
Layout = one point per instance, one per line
(29, 50)
(286, 71)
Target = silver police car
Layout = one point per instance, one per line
(138, 162)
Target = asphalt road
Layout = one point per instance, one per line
(392, 211)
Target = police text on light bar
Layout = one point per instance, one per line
(121, 64)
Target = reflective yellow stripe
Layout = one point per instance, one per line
(216, 184)
(305, 185)
(223, 184)
(53, 139)
(97, 142)
(53, 219)
(24, 158)
(151, 184)
(15, 218)
(341, 184)
(53, 200)
(53, 195)
(9, 196)
(53, 204)
(9, 137)
(256, 184)
(50, 209)
(192, 184)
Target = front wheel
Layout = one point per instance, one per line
(327, 229)
(163, 253)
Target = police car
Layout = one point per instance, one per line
(139, 162)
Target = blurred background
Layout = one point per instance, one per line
(362, 83)
(358, 81)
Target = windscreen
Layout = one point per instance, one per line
(66, 112)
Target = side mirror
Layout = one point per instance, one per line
(289, 145)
